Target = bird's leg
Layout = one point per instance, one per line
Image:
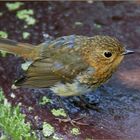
(87, 105)
(72, 121)
(69, 119)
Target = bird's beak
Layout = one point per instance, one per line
(128, 52)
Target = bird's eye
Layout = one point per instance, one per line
(107, 54)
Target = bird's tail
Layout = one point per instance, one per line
(27, 51)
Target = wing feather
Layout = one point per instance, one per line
(59, 63)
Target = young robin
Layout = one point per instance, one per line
(69, 65)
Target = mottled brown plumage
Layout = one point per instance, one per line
(69, 64)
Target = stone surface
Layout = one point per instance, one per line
(119, 99)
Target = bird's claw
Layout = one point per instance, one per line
(93, 107)
(73, 122)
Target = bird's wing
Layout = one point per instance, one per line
(61, 44)
(60, 63)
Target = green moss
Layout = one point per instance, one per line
(26, 15)
(12, 122)
(57, 137)
(75, 131)
(14, 5)
(30, 21)
(44, 100)
(3, 34)
(48, 129)
(25, 35)
(59, 112)
(1, 95)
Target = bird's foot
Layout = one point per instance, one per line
(91, 106)
(73, 122)
(86, 105)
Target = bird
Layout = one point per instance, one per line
(70, 65)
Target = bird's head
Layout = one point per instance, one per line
(105, 52)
